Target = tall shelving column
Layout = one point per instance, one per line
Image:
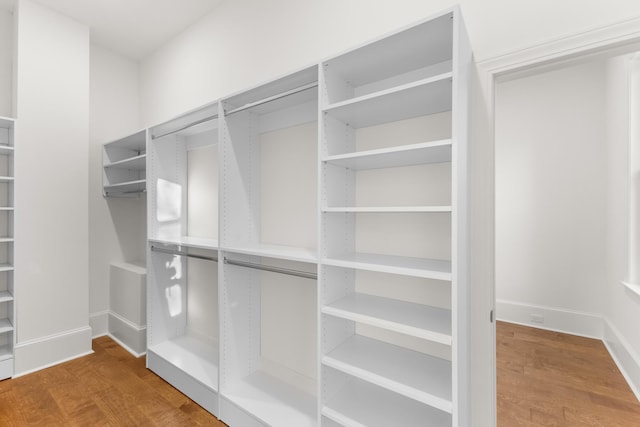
(7, 294)
(123, 165)
(393, 286)
(182, 254)
(268, 319)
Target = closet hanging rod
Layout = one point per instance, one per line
(185, 127)
(281, 270)
(168, 251)
(272, 98)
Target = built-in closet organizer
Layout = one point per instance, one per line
(123, 166)
(182, 253)
(394, 326)
(268, 244)
(7, 305)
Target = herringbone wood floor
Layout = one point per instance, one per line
(544, 379)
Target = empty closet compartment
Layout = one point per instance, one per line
(124, 165)
(405, 59)
(270, 166)
(183, 180)
(384, 334)
(269, 344)
(183, 323)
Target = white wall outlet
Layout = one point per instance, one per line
(535, 318)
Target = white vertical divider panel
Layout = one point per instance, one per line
(7, 289)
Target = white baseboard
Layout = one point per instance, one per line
(554, 319)
(627, 360)
(41, 353)
(99, 323)
(126, 333)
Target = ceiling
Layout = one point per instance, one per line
(133, 28)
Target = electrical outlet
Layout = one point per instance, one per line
(535, 318)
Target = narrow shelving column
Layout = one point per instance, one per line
(393, 320)
(124, 165)
(268, 242)
(182, 254)
(7, 287)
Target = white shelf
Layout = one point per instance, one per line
(272, 401)
(290, 253)
(392, 157)
(361, 404)
(6, 352)
(415, 375)
(5, 296)
(421, 321)
(427, 96)
(6, 149)
(137, 163)
(6, 267)
(137, 186)
(5, 326)
(133, 142)
(6, 179)
(7, 239)
(6, 208)
(190, 242)
(408, 266)
(389, 209)
(195, 357)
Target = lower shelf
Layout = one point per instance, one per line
(191, 366)
(272, 401)
(6, 352)
(363, 404)
(6, 368)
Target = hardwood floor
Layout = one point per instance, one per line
(552, 379)
(544, 379)
(107, 388)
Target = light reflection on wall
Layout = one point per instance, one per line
(173, 293)
(168, 209)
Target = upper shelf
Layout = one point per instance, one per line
(408, 266)
(137, 163)
(405, 155)
(421, 98)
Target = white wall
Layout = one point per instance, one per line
(551, 196)
(244, 42)
(116, 226)
(6, 62)
(51, 226)
(622, 307)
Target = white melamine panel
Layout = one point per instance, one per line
(361, 404)
(410, 266)
(272, 401)
(408, 318)
(196, 357)
(5, 326)
(275, 251)
(5, 296)
(418, 376)
(405, 155)
(429, 96)
(6, 352)
(135, 186)
(202, 189)
(189, 241)
(134, 163)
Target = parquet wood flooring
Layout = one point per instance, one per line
(107, 388)
(552, 379)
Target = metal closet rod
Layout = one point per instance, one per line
(192, 124)
(281, 270)
(272, 98)
(169, 251)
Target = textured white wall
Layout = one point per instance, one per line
(51, 226)
(551, 176)
(116, 226)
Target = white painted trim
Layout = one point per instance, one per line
(126, 347)
(623, 355)
(633, 287)
(98, 322)
(129, 323)
(44, 352)
(555, 319)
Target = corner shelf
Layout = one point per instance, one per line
(124, 166)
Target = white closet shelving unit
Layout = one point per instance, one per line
(339, 294)
(124, 166)
(7, 316)
(269, 222)
(393, 200)
(182, 284)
